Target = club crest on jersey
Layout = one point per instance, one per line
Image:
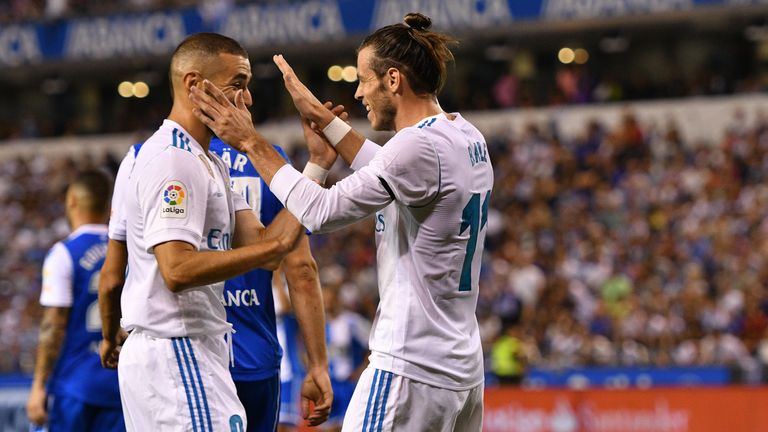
(174, 203)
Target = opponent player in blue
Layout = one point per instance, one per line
(347, 335)
(85, 395)
(292, 366)
(251, 306)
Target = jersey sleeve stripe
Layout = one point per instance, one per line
(387, 188)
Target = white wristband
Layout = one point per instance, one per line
(336, 130)
(315, 172)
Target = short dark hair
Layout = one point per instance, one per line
(422, 55)
(97, 185)
(207, 43)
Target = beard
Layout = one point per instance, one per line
(385, 113)
(385, 117)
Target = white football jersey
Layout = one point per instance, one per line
(429, 188)
(177, 191)
(117, 214)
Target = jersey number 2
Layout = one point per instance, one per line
(473, 217)
(92, 316)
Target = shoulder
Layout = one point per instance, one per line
(405, 144)
(59, 253)
(411, 149)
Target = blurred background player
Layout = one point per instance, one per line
(292, 367)
(84, 396)
(250, 307)
(347, 334)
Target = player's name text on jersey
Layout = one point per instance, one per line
(478, 152)
(239, 163)
(94, 255)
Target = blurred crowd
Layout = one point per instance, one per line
(629, 246)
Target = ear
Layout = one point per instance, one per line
(70, 200)
(192, 79)
(393, 80)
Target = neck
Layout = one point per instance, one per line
(76, 221)
(413, 108)
(182, 114)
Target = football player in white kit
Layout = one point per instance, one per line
(186, 233)
(429, 189)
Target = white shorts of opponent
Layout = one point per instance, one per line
(178, 384)
(384, 401)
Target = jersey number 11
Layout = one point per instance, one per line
(474, 218)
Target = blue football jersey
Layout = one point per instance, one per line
(248, 297)
(347, 340)
(71, 279)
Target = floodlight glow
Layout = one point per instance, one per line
(566, 55)
(335, 73)
(581, 56)
(125, 89)
(349, 74)
(140, 89)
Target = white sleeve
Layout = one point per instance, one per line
(406, 170)
(117, 230)
(57, 278)
(409, 166)
(173, 197)
(324, 210)
(240, 203)
(365, 154)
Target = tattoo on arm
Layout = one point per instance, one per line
(52, 330)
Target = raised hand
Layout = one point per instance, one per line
(229, 121)
(308, 105)
(321, 151)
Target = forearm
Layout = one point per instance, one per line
(52, 332)
(184, 269)
(111, 280)
(324, 210)
(110, 290)
(307, 301)
(350, 145)
(263, 156)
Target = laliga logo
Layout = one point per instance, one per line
(173, 200)
(174, 195)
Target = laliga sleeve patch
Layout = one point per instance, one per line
(174, 200)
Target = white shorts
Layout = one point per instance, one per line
(384, 401)
(178, 384)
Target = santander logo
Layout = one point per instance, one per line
(567, 416)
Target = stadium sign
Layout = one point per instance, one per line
(279, 24)
(104, 38)
(19, 45)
